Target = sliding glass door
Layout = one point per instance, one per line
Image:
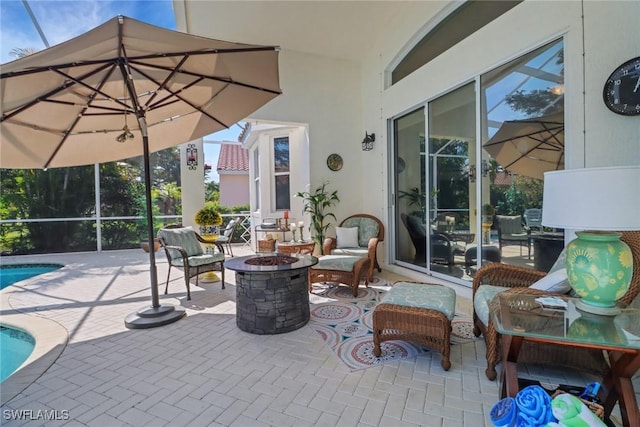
(452, 180)
(410, 189)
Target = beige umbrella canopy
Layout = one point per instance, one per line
(529, 147)
(66, 105)
(124, 89)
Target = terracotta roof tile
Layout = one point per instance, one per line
(233, 158)
(503, 179)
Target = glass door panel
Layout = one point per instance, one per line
(452, 181)
(410, 184)
(529, 88)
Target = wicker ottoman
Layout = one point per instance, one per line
(416, 312)
(347, 269)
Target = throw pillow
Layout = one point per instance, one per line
(554, 282)
(347, 237)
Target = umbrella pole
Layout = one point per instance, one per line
(156, 314)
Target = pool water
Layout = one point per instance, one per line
(16, 347)
(12, 273)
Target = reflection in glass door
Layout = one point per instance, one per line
(451, 180)
(410, 184)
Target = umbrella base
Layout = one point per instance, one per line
(150, 317)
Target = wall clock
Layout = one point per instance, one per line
(622, 89)
(334, 162)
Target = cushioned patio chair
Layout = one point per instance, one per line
(511, 230)
(184, 250)
(443, 250)
(492, 279)
(362, 242)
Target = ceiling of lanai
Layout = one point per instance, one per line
(339, 29)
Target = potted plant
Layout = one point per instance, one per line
(209, 219)
(316, 204)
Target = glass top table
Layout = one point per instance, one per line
(534, 316)
(556, 320)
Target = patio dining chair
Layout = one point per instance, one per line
(511, 230)
(227, 234)
(183, 248)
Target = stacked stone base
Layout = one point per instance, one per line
(272, 302)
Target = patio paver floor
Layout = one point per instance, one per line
(202, 370)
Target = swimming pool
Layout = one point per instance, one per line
(12, 273)
(16, 347)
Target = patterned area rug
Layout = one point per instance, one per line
(345, 323)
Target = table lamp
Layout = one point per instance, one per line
(600, 202)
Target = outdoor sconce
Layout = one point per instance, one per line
(472, 173)
(367, 142)
(485, 168)
(192, 156)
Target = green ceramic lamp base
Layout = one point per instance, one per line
(599, 268)
(582, 305)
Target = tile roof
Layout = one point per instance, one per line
(233, 158)
(503, 179)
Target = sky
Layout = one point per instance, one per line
(61, 20)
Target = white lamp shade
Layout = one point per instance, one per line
(606, 198)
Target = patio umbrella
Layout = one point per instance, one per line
(529, 147)
(124, 89)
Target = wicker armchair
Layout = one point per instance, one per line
(370, 233)
(518, 279)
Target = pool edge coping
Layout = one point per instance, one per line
(50, 340)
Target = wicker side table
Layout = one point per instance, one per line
(303, 248)
(416, 312)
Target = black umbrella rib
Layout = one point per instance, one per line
(135, 58)
(178, 97)
(204, 76)
(209, 51)
(166, 80)
(71, 81)
(79, 116)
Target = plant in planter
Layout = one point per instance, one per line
(316, 204)
(209, 219)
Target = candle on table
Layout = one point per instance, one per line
(286, 214)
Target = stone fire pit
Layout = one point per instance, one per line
(272, 292)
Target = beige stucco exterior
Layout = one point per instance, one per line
(340, 96)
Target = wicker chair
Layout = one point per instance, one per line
(518, 279)
(370, 233)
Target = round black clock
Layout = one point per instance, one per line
(622, 89)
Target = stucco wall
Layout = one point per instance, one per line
(339, 100)
(234, 189)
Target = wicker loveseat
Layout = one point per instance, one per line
(370, 233)
(494, 278)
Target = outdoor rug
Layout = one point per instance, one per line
(345, 323)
